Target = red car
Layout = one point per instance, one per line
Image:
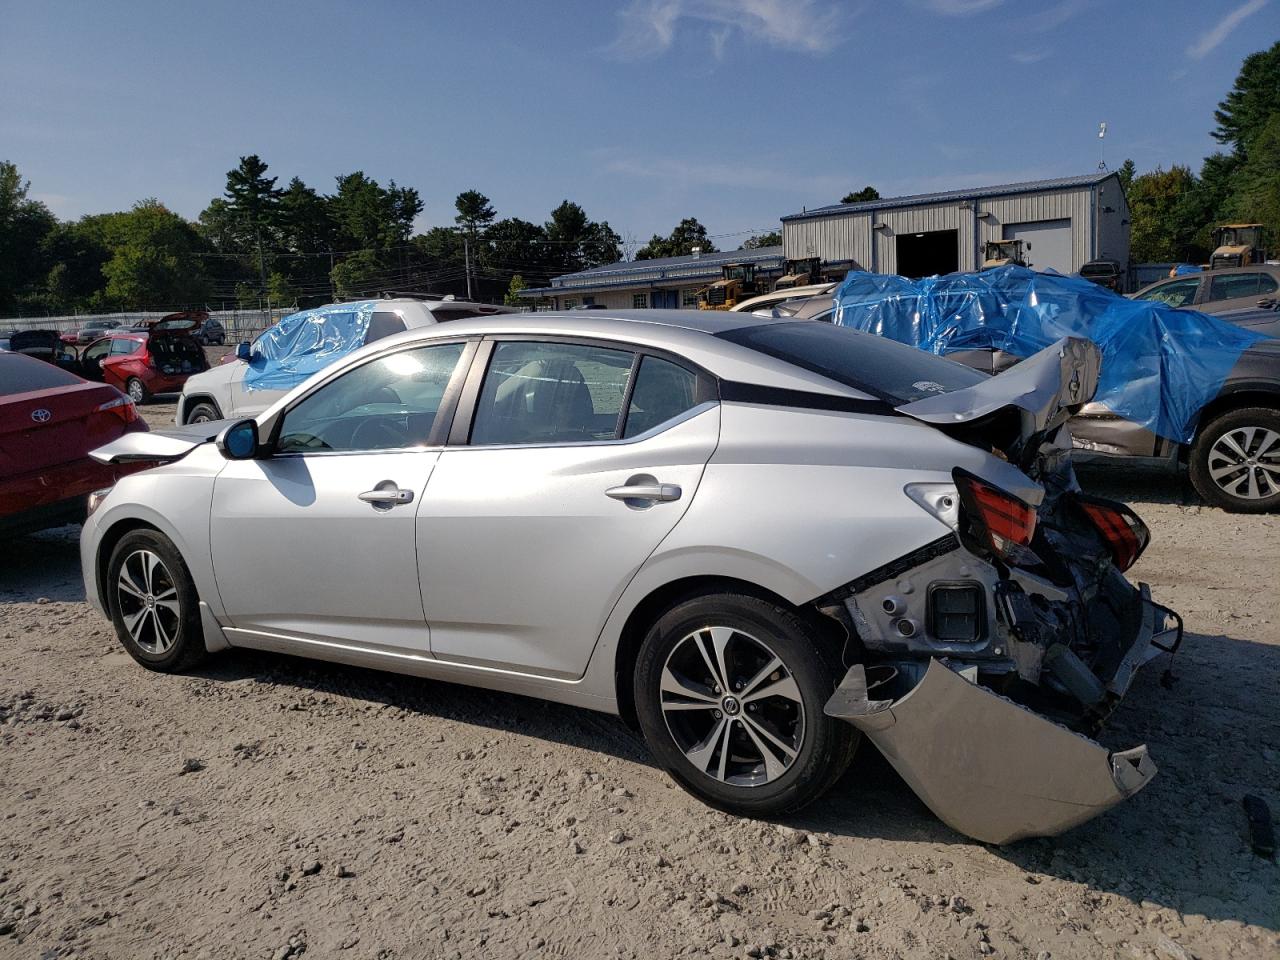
(144, 364)
(49, 421)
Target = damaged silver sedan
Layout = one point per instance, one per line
(759, 540)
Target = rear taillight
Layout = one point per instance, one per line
(121, 407)
(1125, 535)
(993, 519)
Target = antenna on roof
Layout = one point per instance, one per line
(1102, 133)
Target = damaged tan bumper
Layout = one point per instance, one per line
(987, 767)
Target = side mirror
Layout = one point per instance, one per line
(239, 441)
(243, 350)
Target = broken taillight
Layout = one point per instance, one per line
(121, 407)
(993, 519)
(1125, 535)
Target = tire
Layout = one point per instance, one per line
(750, 631)
(203, 412)
(1242, 448)
(163, 633)
(137, 390)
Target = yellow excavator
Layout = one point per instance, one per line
(737, 282)
(1237, 245)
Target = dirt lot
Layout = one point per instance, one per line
(269, 807)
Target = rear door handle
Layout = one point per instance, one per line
(387, 496)
(645, 492)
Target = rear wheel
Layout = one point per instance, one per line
(153, 602)
(137, 391)
(1235, 460)
(202, 413)
(729, 691)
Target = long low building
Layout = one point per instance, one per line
(1065, 222)
(667, 282)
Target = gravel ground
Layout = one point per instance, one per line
(268, 807)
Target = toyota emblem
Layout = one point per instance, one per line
(41, 415)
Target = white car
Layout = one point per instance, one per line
(222, 393)
(757, 539)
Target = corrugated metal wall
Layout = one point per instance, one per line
(849, 236)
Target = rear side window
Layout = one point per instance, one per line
(383, 324)
(19, 374)
(1234, 285)
(121, 347)
(885, 369)
(663, 391)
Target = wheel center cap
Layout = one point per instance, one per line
(730, 706)
(150, 601)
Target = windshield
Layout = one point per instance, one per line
(883, 368)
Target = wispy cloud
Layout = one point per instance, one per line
(1055, 16)
(961, 8)
(649, 27)
(685, 173)
(1029, 57)
(1210, 39)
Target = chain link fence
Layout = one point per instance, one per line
(238, 324)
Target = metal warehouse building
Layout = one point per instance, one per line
(667, 282)
(1066, 222)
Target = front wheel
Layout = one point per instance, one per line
(153, 602)
(1235, 460)
(729, 691)
(203, 413)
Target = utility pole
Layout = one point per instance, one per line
(466, 254)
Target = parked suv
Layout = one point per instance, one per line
(222, 393)
(1217, 291)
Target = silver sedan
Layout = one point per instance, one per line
(759, 540)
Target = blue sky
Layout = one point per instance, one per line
(644, 112)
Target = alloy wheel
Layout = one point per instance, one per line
(732, 706)
(137, 393)
(148, 601)
(1245, 462)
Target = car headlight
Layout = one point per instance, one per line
(96, 498)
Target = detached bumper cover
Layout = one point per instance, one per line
(987, 767)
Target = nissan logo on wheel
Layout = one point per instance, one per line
(41, 415)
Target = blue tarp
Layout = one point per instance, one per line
(1160, 366)
(302, 343)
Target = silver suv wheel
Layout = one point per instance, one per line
(1245, 462)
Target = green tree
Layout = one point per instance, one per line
(1154, 200)
(372, 217)
(861, 196)
(515, 245)
(154, 258)
(578, 242)
(358, 275)
(1256, 198)
(24, 225)
(771, 239)
(254, 203)
(475, 212)
(688, 233)
(1126, 173)
(512, 298)
(1251, 102)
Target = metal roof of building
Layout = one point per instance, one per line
(972, 193)
(682, 268)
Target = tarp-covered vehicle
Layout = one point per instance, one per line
(1176, 386)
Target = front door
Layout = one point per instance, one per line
(316, 541)
(571, 478)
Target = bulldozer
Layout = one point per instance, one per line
(1001, 253)
(1237, 245)
(737, 282)
(799, 273)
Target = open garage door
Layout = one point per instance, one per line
(924, 254)
(1050, 242)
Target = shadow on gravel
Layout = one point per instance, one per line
(1129, 484)
(44, 564)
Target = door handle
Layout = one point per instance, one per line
(645, 492)
(387, 496)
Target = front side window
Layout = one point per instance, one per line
(96, 351)
(386, 404)
(663, 391)
(1178, 293)
(551, 393)
(640, 301)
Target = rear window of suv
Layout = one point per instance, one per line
(885, 369)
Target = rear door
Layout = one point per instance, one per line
(1238, 291)
(579, 458)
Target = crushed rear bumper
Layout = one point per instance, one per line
(991, 768)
